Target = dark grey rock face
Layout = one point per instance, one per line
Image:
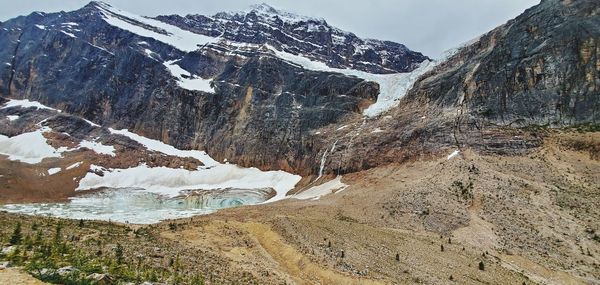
(541, 68)
(497, 95)
(261, 113)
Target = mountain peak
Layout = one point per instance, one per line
(263, 7)
(265, 10)
(97, 3)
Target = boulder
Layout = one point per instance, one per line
(63, 271)
(101, 279)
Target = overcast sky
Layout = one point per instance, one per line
(428, 26)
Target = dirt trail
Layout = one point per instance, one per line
(478, 233)
(536, 272)
(294, 263)
(257, 245)
(16, 276)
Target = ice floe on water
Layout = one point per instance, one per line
(140, 207)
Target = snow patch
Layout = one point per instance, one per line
(91, 123)
(454, 154)
(74, 165)
(96, 168)
(159, 146)
(12, 117)
(149, 53)
(41, 27)
(100, 48)
(98, 147)
(188, 81)
(29, 147)
(26, 104)
(68, 34)
(69, 24)
(169, 34)
(53, 171)
(316, 192)
(341, 128)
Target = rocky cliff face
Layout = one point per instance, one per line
(496, 94)
(541, 68)
(230, 95)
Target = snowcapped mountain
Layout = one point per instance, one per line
(262, 87)
(312, 38)
(253, 87)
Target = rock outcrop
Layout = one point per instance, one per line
(496, 94)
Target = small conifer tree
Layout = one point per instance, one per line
(16, 236)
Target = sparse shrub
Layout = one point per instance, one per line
(119, 253)
(481, 266)
(462, 190)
